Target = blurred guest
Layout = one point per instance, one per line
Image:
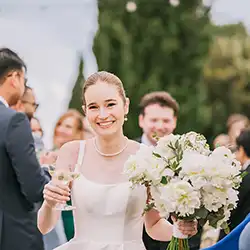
(27, 103)
(235, 124)
(158, 117)
(69, 127)
(37, 133)
(242, 155)
(36, 126)
(21, 178)
(221, 140)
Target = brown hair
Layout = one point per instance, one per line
(237, 118)
(79, 122)
(162, 98)
(104, 76)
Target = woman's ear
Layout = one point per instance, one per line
(127, 105)
(84, 109)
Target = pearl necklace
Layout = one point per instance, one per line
(110, 155)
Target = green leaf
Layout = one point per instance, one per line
(164, 180)
(243, 174)
(202, 212)
(148, 208)
(231, 206)
(202, 222)
(157, 155)
(225, 227)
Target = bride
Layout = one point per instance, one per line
(108, 213)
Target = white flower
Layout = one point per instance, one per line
(196, 142)
(146, 167)
(180, 197)
(232, 198)
(159, 203)
(164, 146)
(214, 198)
(193, 164)
(133, 170)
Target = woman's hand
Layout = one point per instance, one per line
(56, 192)
(186, 227)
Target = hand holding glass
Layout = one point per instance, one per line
(64, 177)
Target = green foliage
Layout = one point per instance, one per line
(161, 47)
(157, 47)
(76, 96)
(226, 75)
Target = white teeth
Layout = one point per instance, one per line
(105, 123)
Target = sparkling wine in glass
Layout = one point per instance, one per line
(65, 177)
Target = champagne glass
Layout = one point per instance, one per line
(65, 177)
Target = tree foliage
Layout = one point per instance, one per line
(156, 47)
(161, 47)
(227, 75)
(76, 95)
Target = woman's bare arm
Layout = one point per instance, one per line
(55, 192)
(158, 228)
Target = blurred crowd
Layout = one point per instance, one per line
(158, 116)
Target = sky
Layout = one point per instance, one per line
(50, 35)
(230, 11)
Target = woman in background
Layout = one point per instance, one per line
(69, 127)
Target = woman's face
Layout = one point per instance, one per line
(105, 109)
(66, 131)
(36, 127)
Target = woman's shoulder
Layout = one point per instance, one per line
(134, 146)
(72, 147)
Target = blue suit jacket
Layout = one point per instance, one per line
(21, 183)
(231, 241)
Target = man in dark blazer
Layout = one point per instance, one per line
(21, 178)
(243, 207)
(158, 116)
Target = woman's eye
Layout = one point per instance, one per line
(111, 104)
(92, 107)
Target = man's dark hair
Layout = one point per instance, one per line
(243, 140)
(162, 98)
(9, 61)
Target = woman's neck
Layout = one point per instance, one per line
(110, 145)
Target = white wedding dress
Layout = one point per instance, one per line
(107, 216)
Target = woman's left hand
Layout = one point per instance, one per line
(186, 227)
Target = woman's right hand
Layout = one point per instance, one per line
(54, 193)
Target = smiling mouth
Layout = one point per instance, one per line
(105, 124)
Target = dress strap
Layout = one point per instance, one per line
(80, 154)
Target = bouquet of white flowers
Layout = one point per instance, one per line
(187, 180)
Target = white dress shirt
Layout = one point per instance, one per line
(245, 165)
(146, 141)
(4, 101)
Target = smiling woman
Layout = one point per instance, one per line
(108, 212)
(105, 103)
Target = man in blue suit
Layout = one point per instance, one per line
(21, 178)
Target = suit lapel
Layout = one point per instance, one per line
(248, 169)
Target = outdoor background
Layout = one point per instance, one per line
(200, 54)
